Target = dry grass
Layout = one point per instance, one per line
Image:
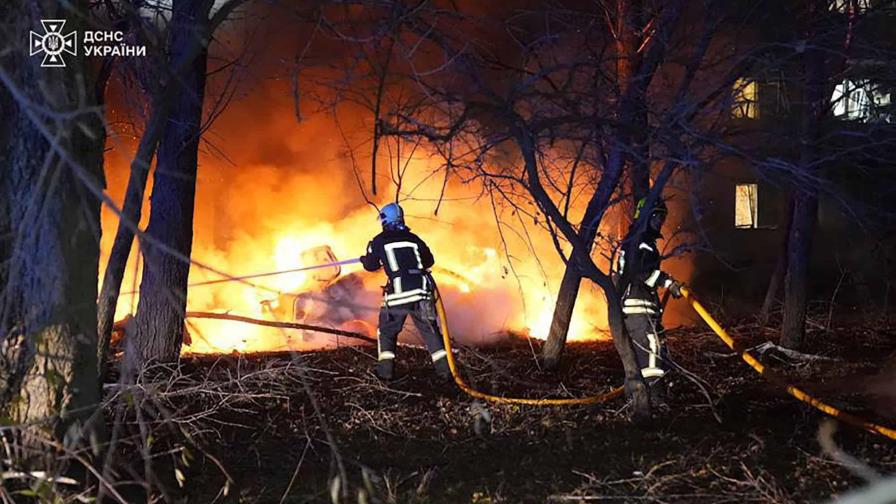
(243, 429)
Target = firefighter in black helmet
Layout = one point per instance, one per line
(639, 278)
(409, 291)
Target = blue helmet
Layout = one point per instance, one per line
(392, 216)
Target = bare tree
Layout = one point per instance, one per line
(159, 80)
(163, 290)
(774, 284)
(818, 73)
(506, 114)
(627, 25)
(163, 295)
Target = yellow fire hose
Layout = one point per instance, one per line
(792, 390)
(446, 337)
(704, 314)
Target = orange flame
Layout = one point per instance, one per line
(292, 189)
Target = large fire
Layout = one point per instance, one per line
(286, 188)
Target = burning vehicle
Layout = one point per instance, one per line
(332, 299)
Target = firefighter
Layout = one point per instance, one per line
(408, 291)
(640, 276)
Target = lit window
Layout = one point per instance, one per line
(846, 6)
(861, 101)
(746, 206)
(746, 98)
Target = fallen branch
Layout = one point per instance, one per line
(282, 325)
(793, 354)
(762, 348)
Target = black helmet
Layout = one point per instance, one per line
(658, 207)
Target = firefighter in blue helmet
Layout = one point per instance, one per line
(406, 260)
(639, 278)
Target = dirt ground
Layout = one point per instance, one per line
(253, 430)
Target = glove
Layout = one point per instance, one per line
(675, 288)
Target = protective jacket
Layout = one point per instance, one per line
(405, 258)
(640, 273)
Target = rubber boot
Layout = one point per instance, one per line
(658, 393)
(443, 372)
(385, 369)
(444, 385)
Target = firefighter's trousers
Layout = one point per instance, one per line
(646, 332)
(423, 313)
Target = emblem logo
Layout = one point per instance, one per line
(53, 43)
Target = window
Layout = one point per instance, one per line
(746, 98)
(861, 100)
(773, 99)
(746, 206)
(757, 205)
(847, 6)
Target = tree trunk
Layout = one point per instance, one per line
(124, 236)
(796, 281)
(566, 303)
(630, 29)
(774, 284)
(805, 209)
(163, 290)
(51, 252)
(167, 73)
(572, 276)
(580, 261)
(635, 388)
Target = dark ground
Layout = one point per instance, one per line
(415, 441)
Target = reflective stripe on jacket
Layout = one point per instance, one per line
(640, 274)
(405, 258)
